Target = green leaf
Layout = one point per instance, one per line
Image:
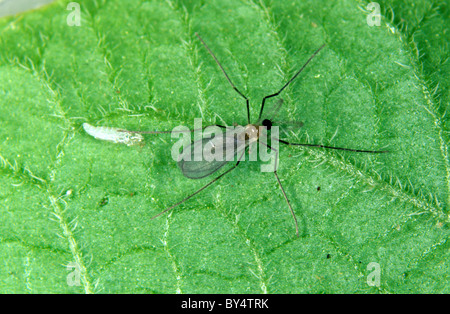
(76, 211)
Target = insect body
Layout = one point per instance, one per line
(219, 151)
(237, 142)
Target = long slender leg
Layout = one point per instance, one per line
(281, 186)
(226, 75)
(201, 189)
(337, 148)
(289, 82)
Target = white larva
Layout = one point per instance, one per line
(114, 135)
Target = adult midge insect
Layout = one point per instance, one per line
(200, 169)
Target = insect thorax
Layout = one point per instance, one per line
(250, 133)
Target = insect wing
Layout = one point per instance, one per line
(214, 152)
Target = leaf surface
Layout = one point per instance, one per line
(76, 211)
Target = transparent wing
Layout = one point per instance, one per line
(279, 116)
(214, 154)
(289, 128)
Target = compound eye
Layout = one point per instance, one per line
(267, 123)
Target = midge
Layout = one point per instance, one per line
(203, 168)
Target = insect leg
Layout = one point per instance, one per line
(226, 75)
(201, 189)
(281, 186)
(289, 82)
